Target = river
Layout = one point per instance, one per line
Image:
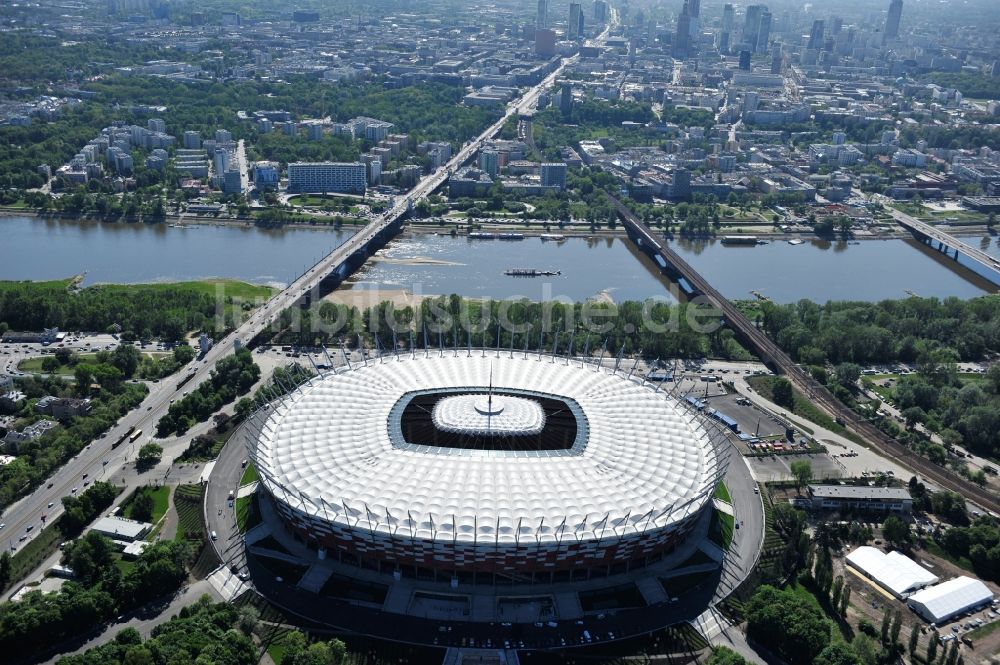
(42, 249)
(610, 268)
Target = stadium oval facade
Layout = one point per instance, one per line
(486, 462)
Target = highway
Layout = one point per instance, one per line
(89, 463)
(774, 357)
(931, 232)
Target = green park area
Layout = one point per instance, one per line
(148, 503)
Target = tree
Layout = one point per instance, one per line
(50, 364)
(848, 375)
(89, 556)
(914, 636)
(845, 598)
(248, 619)
(837, 653)
(838, 589)
(149, 455)
(725, 656)
(142, 505)
(897, 625)
(896, 531)
(797, 631)
(802, 472)
(126, 358)
(932, 646)
(5, 569)
(782, 392)
(183, 353)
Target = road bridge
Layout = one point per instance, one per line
(321, 277)
(984, 264)
(694, 285)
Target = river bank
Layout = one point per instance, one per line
(461, 227)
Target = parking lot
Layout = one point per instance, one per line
(776, 467)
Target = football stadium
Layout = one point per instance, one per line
(487, 467)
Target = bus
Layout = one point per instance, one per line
(122, 438)
(135, 435)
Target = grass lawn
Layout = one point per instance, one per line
(34, 365)
(276, 650)
(247, 513)
(722, 492)
(249, 476)
(161, 501)
(123, 565)
(322, 199)
(983, 631)
(190, 520)
(721, 529)
(32, 552)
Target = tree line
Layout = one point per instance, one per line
(657, 328)
(167, 311)
(233, 376)
(889, 331)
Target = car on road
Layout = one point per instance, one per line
(2, 525)
(51, 503)
(73, 491)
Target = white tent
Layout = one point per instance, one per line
(896, 573)
(948, 599)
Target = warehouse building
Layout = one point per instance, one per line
(945, 601)
(895, 572)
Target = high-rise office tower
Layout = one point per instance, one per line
(682, 38)
(542, 20)
(816, 36)
(566, 99)
(836, 24)
(892, 20)
(575, 29)
(763, 32)
(776, 58)
(694, 12)
(751, 25)
(726, 29)
(600, 11)
(745, 60)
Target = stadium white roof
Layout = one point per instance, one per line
(641, 459)
(894, 571)
(943, 601)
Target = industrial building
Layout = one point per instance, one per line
(944, 601)
(895, 572)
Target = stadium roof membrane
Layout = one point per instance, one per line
(641, 461)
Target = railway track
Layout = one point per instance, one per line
(781, 363)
